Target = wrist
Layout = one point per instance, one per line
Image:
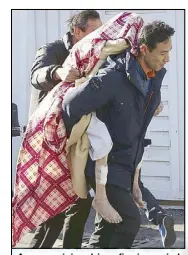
(54, 74)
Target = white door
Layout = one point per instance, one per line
(161, 171)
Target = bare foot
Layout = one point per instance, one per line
(104, 208)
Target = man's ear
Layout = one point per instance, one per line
(143, 49)
(76, 31)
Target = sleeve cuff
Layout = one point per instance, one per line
(52, 70)
(99, 137)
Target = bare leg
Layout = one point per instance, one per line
(100, 202)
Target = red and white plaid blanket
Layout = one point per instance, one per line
(43, 186)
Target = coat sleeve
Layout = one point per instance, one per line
(89, 96)
(47, 60)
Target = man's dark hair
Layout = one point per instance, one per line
(81, 19)
(155, 32)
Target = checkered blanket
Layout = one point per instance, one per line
(43, 186)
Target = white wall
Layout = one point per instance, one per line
(20, 73)
(30, 30)
(181, 93)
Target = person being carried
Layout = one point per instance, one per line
(47, 71)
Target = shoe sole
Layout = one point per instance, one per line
(171, 235)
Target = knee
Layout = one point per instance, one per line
(125, 232)
(86, 203)
(132, 223)
(137, 222)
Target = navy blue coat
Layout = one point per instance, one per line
(116, 96)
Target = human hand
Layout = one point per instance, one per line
(137, 195)
(159, 109)
(68, 74)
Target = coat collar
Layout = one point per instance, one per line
(67, 39)
(130, 68)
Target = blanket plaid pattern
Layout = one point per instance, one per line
(43, 186)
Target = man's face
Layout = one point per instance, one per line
(93, 24)
(158, 57)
